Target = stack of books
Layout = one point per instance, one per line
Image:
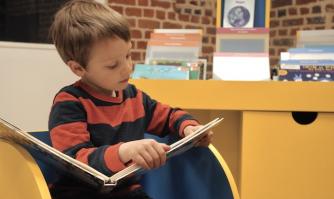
(307, 64)
(241, 54)
(173, 54)
(315, 38)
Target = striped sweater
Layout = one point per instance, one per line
(90, 126)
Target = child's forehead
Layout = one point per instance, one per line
(108, 49)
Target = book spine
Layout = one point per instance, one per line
(308, 67)
(312, 50)
(305, 75)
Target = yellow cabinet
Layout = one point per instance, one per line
(270, 155)
(281, 158)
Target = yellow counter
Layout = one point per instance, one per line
(269, 153)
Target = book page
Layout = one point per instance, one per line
(13, 134)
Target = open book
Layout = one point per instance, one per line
(84, 172)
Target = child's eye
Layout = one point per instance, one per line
(112, 66)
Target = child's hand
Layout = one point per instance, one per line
(204, 141)
(146, 153)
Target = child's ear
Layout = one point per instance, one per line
(76, 68)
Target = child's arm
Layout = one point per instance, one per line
(163, 119)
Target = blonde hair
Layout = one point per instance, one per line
(80, 23)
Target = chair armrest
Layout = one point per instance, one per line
(20, 176)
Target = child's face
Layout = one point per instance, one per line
(110, 65)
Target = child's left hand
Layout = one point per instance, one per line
(204, 141)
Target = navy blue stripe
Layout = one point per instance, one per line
(72, 151)
(178, 122)
(104, 134)
(96, 160)
(66, 112)
(149, 107)
(129, 92)
(166, 130)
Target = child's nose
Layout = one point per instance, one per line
(128, 68)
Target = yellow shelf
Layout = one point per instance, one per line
(241, 95)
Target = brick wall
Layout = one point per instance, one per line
(288, 16)
(146, 15)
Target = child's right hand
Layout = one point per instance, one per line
(146, 153)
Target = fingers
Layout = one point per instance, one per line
(206, 140)
(151, 154)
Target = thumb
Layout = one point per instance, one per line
(165, 147)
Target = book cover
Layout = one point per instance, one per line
(146, 71)
(87, 174)
(197, 67)
(306, 75)
(241, 66)
(239, 13)
(307, 64)
(315, 38)
(242, 40)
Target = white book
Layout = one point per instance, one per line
(239, 13)
(241, 66)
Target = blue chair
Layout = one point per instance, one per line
(200, 173)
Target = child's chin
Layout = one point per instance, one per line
(123, 85)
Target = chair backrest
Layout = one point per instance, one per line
(195, 174)
(50, 174)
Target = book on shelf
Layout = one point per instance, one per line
(87, 174)
(315, 38)
(197, 67)
(182, 44)
(148, 71)
(242, 40)
(302, 64)
(239, 13)
(159, 49)
(179, 31)
(306, 75)
(241, 66)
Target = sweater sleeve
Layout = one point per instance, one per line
(69, 134)
(163, 119)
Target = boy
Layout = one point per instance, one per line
(101, 119)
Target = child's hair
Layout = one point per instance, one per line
(80, 23)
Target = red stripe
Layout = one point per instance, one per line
(63, 96)
(129, 111)
(82, 154)
(112, 159)
(68, 135)
(175, 116)
(160, 115)
(185, 124)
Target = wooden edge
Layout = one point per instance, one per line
(26, 160)
(219, 13)
(39, 178)
(267, 16)
(227, 171)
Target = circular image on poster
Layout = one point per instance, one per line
(238, 16)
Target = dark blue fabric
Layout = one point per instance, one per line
(195, 174)
(50, 174)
